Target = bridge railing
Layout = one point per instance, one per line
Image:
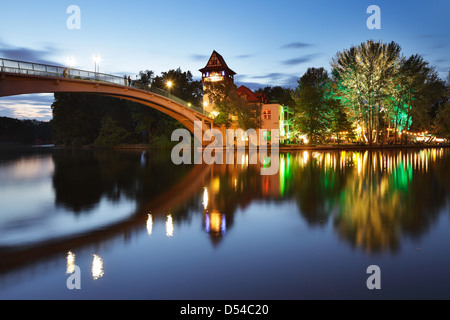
(37, 69)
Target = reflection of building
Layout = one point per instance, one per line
(273, 115)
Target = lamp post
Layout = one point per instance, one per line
(97, 60)
(169, 85)
(70, 63)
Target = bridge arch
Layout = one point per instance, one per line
(12, 84)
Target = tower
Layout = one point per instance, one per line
(215, 70)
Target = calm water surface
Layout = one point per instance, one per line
(139, 227)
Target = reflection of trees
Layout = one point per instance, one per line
(376, 196)
(83, 177)
(316, 186)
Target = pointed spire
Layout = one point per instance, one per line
(217, 63)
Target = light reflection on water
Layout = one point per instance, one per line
(373, 202)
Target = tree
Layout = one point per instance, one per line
(339, 119)
(111, 133)
(183, 85)
(279, 94)
(145, 79)
(312, 104)
(232, 107)
(440, 125)
(365, 74)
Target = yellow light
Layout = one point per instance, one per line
(169, 226)
(214, 77)
(70, 262)
(169, 84)
(205, 198)
(97, 58)
(97, 267)
(214, 114)
(149, 224)
(215, 221)
(70, 62)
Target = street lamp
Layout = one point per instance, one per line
(97, 60)
(70, 63)
(169, 85)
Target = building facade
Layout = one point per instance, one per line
(273, 115)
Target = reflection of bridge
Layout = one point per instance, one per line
(17, 77)
(184, 190)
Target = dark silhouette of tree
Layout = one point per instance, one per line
(313, 104)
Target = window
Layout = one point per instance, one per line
(267, 114)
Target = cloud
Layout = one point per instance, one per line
(244, 56)
(285, 80)
(296, 45)
(273, 76)
(439, 46)
(199, 57)
(26, 54)
(36, 106)
(300, 60)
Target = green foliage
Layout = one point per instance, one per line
(382, 89)
(83, 119)
(230, 104)
(279, 94)
(183, 85)
(111, 134)
(365, 75)
(313, 104)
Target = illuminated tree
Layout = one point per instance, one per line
(232, 107)
(365, 75)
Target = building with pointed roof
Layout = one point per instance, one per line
(215, 70)
(273, 115)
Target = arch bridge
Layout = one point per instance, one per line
(19, 77)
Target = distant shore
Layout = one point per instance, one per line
(314, 147)
(144, 147)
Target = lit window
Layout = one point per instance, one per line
(267, 114)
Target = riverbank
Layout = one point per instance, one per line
(307, 147)
(362, 147)
(282, 148)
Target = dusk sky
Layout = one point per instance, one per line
(267, 43)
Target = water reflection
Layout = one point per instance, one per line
(70, 262)
(372, 199)
(169, 226)
(149, 225)
(97, 267)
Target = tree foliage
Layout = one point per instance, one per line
(232, 107)
(84, 119)
(365, 75)
(383, 89)
(317, 111)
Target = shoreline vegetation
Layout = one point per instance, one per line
(308, 147)
(282, 147)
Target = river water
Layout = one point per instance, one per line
(132, 225)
